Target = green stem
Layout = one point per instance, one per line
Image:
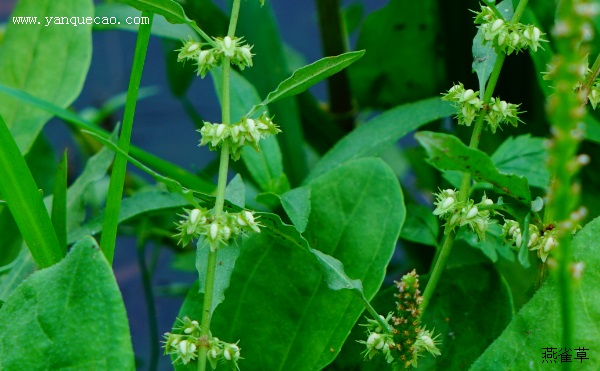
(384, 325)
(334, 43)
(117, 179)
(587, 85)
(492, 6)
(220, 200)
(465, 187)
(519, 11)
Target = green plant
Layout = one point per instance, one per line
(294, 254)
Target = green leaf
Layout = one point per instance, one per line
(25, 202)
(235, 192)
(447, 152)
(95, 169)
(404, 61)
(378, 134)
(492, 246)
(361, 231)
(171, 10)
(47, 62)
(308, 76)
(422, 226)
(140, 203)
(226, 258)
(471, 307)
(296, 204)
(484, 54)
(59, 203)
(525, 156)
(69, 316)
(265, 166)
(538, 324)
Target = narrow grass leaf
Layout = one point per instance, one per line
(25, 202)
(171, 170)
(59, 203)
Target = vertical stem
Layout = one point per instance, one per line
(150, 306)
(117, 179)
(220, 201)
(333, 42)
(465, 187)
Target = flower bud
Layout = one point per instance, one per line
(497, 25)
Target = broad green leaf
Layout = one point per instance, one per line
(25, 202)
(265, 166)
(296, 204)
(447, 152)
(373, 137)
(48, 62)
(471, 307)
(160, 26)
(171, 170)
(525, 156)
(59, 203)
(69, 316)
(270, 68)
(422, 226)
(226, 258)
(356, 216)
(235, 192)
(308, 76)
(538, 324)
(404, 61)
(151, 201)
(169, 9)
(484, 54)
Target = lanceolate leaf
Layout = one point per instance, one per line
(69, 316)
(171, 10)
(59, 203)
(25, 202)
(307, 76)
(447, 152)
(372, 138)
(48, 62)
(538, 324)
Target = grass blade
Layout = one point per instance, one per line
(59, 203)
(25, 202)
(117, 179)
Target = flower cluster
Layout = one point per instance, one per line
(506, 36)
(542, 241)
(408, 339)
(458, 214)
(469, 106)
(216, 230)
(186, 339)
(225, 47)
(246, 131)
